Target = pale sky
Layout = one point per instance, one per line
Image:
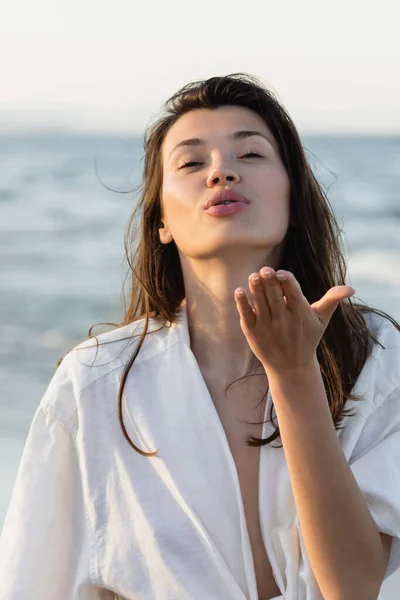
(109, 66)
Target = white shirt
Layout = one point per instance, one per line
(89, 514)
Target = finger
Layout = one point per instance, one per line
(258, 298)
(291, 290)
(273, 292)
(326, 306)
(246, 312)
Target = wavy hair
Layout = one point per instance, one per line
(312, 246)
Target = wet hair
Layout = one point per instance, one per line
(311, 250)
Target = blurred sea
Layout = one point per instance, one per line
(62, 257)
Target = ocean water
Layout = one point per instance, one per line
(62, 256)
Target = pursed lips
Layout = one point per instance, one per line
(225, 196)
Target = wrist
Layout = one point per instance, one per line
(295, 373)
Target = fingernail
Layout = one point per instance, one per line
(266, 272)
(281, 276)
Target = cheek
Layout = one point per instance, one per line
(276, 185)
(178, 210)
(173, 199)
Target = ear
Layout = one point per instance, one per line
(165, 234)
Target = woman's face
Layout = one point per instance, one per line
(250, 165)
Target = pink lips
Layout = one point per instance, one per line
(225, 210)
(223, 195)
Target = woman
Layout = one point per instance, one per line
(189, 495)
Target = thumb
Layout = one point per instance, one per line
(326, 306)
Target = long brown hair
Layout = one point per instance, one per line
(312, 250)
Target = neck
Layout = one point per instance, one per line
(216, 338)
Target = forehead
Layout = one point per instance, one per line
(213, 124)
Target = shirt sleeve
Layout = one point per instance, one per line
(376, 468)
(44, 546)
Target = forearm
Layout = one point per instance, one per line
(341, 538)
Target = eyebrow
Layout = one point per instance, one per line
(237, 135)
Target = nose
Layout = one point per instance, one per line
(222, 174)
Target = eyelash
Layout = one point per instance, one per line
(194, 162)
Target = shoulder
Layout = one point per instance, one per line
(377, 386)
(383, 365)
(380, 326)
(93, 363)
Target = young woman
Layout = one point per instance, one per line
(143, 477)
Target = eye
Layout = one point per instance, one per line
(252, 154)
(189, 163)
(192, 163)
